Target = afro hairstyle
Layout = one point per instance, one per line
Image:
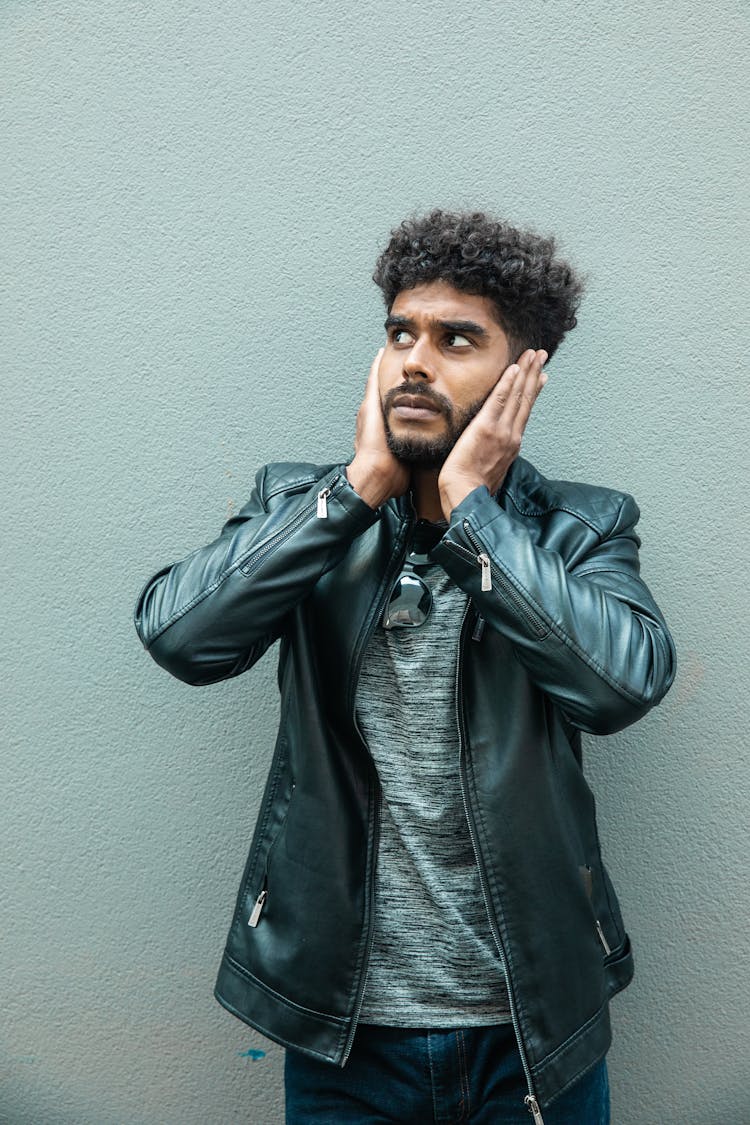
(534, 293)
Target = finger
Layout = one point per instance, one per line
(529, 391)
(530, 387)
(372, 389)
(509, 395)
(502, 393)
(534, 375)
(542, 382)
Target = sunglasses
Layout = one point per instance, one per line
(411, 598)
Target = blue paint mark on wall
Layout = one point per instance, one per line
(252, 1054)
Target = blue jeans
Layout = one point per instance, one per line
(412, 1075)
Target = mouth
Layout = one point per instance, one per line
(414, 407)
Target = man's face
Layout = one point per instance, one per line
(444, 353)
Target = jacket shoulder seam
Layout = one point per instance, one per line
(557, 508)
(289, 486)
(308, 477)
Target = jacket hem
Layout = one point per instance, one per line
(565, 1066)
(568, 1063)
(280, 1019)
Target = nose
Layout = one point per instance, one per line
(418, 361)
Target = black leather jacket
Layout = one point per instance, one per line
(560, 635)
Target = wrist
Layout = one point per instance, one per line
(368, 481)
(453, 491)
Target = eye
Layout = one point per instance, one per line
(398, 332)
(458, 336)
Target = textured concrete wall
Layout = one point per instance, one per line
(193, 195)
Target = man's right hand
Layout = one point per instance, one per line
(375, 474)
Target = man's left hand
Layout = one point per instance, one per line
(492, 440)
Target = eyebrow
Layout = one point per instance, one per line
(468, 326)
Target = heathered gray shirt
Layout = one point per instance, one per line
(434, 961)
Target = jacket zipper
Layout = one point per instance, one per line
(530, 1101)
(376, 820)
(599, 930)
(322, 512)
(262, 898)
(371, 935)
(335, 486)
(507, 588)
(602, 938)
(260, 902)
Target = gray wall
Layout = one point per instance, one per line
(194, 194)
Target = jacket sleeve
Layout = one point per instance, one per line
(214, 614)
(591, 637)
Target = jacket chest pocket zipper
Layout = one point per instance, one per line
(322, 510)
(505, 587)
(262, 898)
(320, 504)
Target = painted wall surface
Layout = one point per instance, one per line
(193, 197)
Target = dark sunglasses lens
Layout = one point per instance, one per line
(410, 604)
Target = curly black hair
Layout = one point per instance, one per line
(535, 295)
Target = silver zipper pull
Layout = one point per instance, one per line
(322, 504)
(260, 902)
(533, 1107)
(602, 938)
(484, 562)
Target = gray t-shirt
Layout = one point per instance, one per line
(434, 962)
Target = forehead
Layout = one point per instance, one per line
(440, 300)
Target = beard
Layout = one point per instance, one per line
(429, 452)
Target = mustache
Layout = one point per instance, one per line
(426, 393)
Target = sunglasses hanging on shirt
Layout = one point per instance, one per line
(411, 598)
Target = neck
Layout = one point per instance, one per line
(425, 494)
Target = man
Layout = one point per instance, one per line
(424, 919)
